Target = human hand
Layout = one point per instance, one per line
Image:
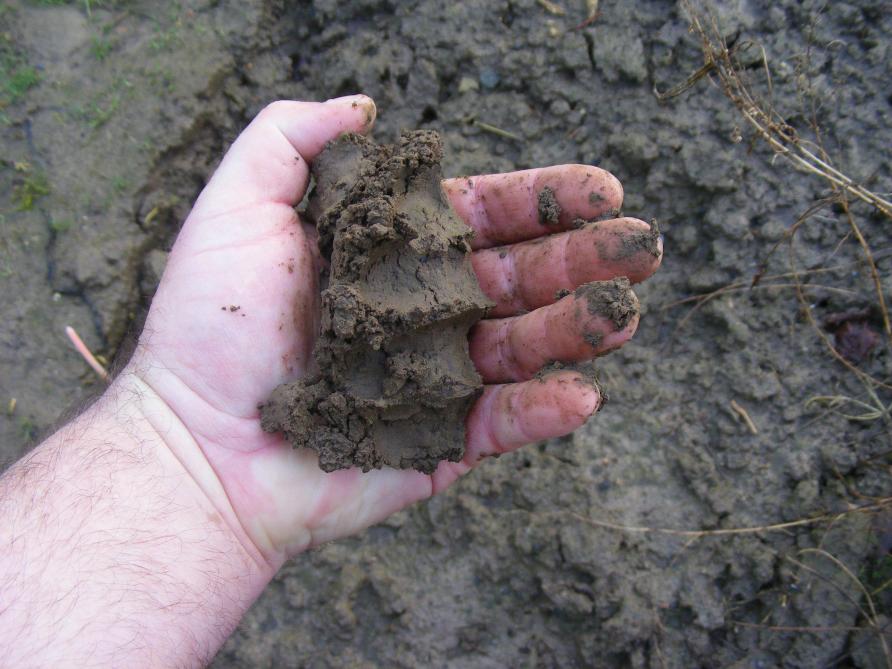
(237, 311)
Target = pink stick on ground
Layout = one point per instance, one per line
(81, 348)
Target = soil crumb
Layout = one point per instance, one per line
(612, 299)
(549, 209)
(396, 380)
(646, 240)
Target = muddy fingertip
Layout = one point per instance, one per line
(614, 300)
(367, 107)
(363, 104)
(577, 387)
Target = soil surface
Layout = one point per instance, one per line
(396, 380)
(112, 120)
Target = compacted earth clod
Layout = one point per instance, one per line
(395, 380)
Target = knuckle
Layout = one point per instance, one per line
(276, 108)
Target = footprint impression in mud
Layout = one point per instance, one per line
(395, 379)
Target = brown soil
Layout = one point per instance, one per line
(130, 114)
(549, 209)
(612, 299)
(642, 241)
(396, 380)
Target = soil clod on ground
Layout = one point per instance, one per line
(396, 380)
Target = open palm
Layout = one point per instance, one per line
(237, 311)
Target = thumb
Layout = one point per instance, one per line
(268, 162)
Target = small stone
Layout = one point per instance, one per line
(468, 84)
(489, 78)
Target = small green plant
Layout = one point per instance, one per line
(165, 38)
(61, 225)
(88, 5)
(27, 428)
(120, 184)
(34, 186)
(16, 78)
(100, 47)
(96, 115)
(97, 111)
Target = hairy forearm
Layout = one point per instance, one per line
(112, 552)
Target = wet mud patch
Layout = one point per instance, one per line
(396, 380)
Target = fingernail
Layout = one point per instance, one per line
(360, 101)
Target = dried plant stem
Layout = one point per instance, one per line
(767, 123)
(874, 272)
(81, 348)
(793, 628)
(641, 529)
(809, 315)
(805, 159)
(871, 614)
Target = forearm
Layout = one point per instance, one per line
(112, 552)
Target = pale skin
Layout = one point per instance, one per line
(140, 533)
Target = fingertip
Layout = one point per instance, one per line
(628, 246)
(554, 405)
(583, 192)
(618, 338)
(363, 104)
(660, 243)
(509, 416)
(576, 395)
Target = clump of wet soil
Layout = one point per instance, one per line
(647, 240)
(548, 208)
(612, 299)
(396, 380)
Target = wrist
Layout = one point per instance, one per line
(141, 412)
(112, 538)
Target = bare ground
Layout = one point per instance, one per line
(113, 114)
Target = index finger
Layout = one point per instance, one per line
(518, 206)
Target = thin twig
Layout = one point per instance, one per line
(487, 127)
(767, 123)
(872, 618)
(809, 315)
(740, 411)
(81, 348)
(874, 273)
(551, 7)
(640, 529)
(793, 628)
